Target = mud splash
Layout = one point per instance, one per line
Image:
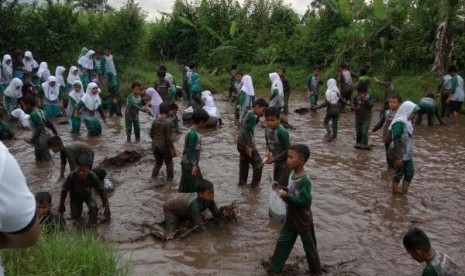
(298, 266)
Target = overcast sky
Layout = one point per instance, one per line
(153, 6)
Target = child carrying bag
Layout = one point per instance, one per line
(277, 209)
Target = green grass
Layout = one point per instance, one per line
(65, 253)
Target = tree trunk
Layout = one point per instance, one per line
(443, 51)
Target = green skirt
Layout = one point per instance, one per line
(94, 128)
(51, 111)
(75, 123)
(188, 183)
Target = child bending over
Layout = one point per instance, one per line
(427, 105)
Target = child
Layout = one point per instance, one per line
(457, 95)
(345, 82)
(6, 74)
(299, 221)
(70, 153)
(277, 144)
(90, 103)
(386, 120)
(155, 101)
(401, 130)
(162, 143)
(40, 135)
(363, 104)
(79, 184)
(363, 78)
(49, 220)
(18, 65)
(189, 206)
(114, 101)
(30, 64)
(286, 89)
(131, 114)
(86, 67)
(60, 79)
(418, 246)
(444, 88)
(333, 98)
(173, 117)
(195, 88)
(427, 105)
(246, 97)
(313, 85)
(107, 65)
(74, 99)
(190, 170)
(13, 94)
(161, 85)
(185, 80)
(172, 88)
(388, 91)
(277, 91)
(28, 89)
(236, 93)
(246, 144)
(210, 107)
(43, 73)
(232, 86)
(5, 131)
(72, 77)
(51, 97)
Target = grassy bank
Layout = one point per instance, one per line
(65, 253)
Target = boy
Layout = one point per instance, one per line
(232, 88)
(39, 132)
(246, 144)
(457, 95)
(386, 119)
(5, 131)
(388, 91)
(444, 88)
(237, 86)
(172, 90)
(114, 93)
(428, 106)
(191, 154)
(70, 153)
(418, 246)
(313, 85)
(173, 118)
(195, 88)
(299, 221)
(333, 98)
(185, 80)
(131, 114)
(362, 104)
(79, 184)
(345, 82)
(401, 130)
(161, 85)
(49, 220)
(286, 89)
(363, 78)
(162, 143)
(189, 206)
(277, 144)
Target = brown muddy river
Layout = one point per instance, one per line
(356, 217)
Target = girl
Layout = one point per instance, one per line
(247, 96)
(277, 91)
(60, 79)
(74, 99)
(43, 73)
(155, 101)
(30, 64)
(333, 97)
(215, 116)
(6, 74)
(51, 97)
(90, 103)
(86, 66)
(72, 76)
(12, 95)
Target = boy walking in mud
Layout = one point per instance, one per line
(299, 221)
(277, 144)
(363, 104)
(131, 114)
(246, 144)
(313, 85)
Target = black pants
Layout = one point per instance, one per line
(429, 114)
(76, 203)
(445, 109)
(163, 155)
(244, 162)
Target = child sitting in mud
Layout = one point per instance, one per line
(189, 206)
(49, 220)
(418, 246)
(299, 221)
(79, 184)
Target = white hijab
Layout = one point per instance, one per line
(276, 83)
(77, 95)
(332, 92)
(31, 64)
(210, 107)
(155, 101)
(405, 110)
(91, 101)
(59, 75)
(12, 90)
(42, 69)
(51, 92)
(7, 69)
(205, 94)
(247, 85)
(86, 61)
(110, 64)
(71, 76)
(23, 118)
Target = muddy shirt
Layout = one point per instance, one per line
(313, 84)
(363, 108)
(133, 104)
(442, 265)
(39, 131)
(246, 136)
(427, 104)
(162, 88)
(160, 132)
(192, 147)
(52, 222)
(82, 189)
(71, 153)
(190, 206)
(299, 200)
(277, 141)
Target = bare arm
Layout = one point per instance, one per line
(23, 239)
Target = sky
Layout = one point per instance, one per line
(152, 7)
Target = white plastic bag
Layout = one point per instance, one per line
(277, 209)
(108, 184)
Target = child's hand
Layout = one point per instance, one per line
(248, 151)
(282, 193)
(195, 171)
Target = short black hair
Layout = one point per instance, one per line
(344, 65)
(192, 64)
(282, 68)
(363, 70)
(260, 103)
(238, 72)
(416, 239)
(161, 73)
(316, 67)
(396, 96)
(234, 66)
(302, 150)
(204, 185)
(183, 62)
(362, 87)
(272, 112)
(452, 69)
(54, 141)
(174, 106)
(135, 84)
(200, 116)
(430, 95)
(163, 68)
(84, 161)
(108, 47)
(43, 197)
(165, 108)
(30, 100)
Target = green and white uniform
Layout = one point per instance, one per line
(131, 115)
(190, 158)
(278, 142)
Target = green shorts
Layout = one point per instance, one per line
(406, 171)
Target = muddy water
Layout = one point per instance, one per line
(356, 217)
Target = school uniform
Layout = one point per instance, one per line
(386, 120)
(287, 93)
(333, 98)
(162, 146)
(313, 85)
(40, 135)
(246, 97)
(278, 143)
(51, 97)
(427, 106)
(114, 101)
(73, 151)
(12, 95)
(89, 104)
(363, 110)
(131, 116)
(6, 74)
(457, 94)
(86, 66)
(190, 158)
(71, 110)
(246, 138)
(277, 91)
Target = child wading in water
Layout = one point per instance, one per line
(131, 114)
(191, 154)
(90, 103)
(363, 105)
(74, 99)
(333, 97)
(299, 220)
(313, 85)
(277, 91)
(401, 129)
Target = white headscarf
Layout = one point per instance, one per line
(91, 101)
(51, 92)
(205, 94)
(12, 90)
(59, 75)
(23, 118)
(77, 95)
(71, 76)
(247, 85)
(155, 101)
(31, 64)
(405, 110)
(210, 107)
(110, 64)
(276, 83)
(7, 69)
(86, 61)
(332, 92)
(42, 69)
